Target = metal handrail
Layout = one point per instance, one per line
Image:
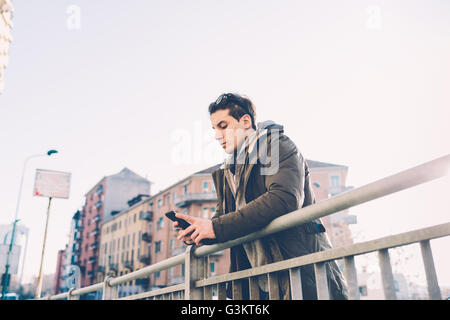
(405, 179)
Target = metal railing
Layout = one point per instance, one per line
(198, 285)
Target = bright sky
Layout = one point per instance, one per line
(113, 84)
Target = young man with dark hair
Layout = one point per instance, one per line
(264, 177)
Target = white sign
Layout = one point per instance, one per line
(54, 184)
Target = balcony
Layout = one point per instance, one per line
(93, 246)
(143, 282)
(95, 232)
(147, 237)
(92, 259)
(99, 190)
(98, 204)
(187, 199)
(113, 267)
(128, 265)
(145, 259)
(147, 215)
(96, 218)
(101, 269)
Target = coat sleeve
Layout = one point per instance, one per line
(284, 194)
(219, 206)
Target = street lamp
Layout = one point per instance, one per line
(6, 274)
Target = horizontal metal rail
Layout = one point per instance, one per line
(406, 179)
(402, 239)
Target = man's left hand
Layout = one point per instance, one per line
(200, 228)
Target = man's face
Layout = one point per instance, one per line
(230, 133)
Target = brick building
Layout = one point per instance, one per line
(58, 283)
(107, 197)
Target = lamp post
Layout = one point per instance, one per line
(6, 274)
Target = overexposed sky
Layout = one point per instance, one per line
(113, 84)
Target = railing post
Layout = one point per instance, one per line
(295, 279)
(109, 292)
(351, 277)
(433, 286)
(321, 281)
(386, 274)
(195, 270)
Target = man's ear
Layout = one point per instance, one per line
(246, 121)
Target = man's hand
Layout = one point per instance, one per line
(200, 228)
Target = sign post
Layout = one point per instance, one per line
(51, 184)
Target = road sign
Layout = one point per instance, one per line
(52, 184)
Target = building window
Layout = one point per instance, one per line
(139, 239)
(212, 268)
(160, 223)
(160, 203)
(205, 213)
(205, 186)
(335, 181)
(185, 190)
(213, 210)
(167, 198)
(158, 245)
(134, 218)
(172, 244)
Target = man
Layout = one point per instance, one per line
(264, 178)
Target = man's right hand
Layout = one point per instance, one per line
(186, 239)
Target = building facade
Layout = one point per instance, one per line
(329, 180)
(71, 255)
(141, 235)
(108, 197)
(122, 246)
(18, 251)
(6, 14)
(58, 283)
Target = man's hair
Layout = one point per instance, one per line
(236, 105)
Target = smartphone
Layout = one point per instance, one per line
(183, 224)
